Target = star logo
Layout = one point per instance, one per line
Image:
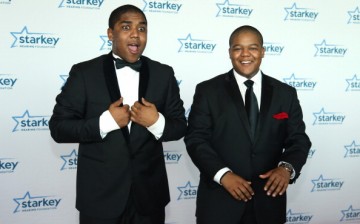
(106, 43)
(27, 197)
(70, 161)
(191, 45)
(300, 83)
(23, 32)
(64, 78)
(295, 217)
(329, 50)
(354, 16)
(81, 4)
(227, 9)
(353, 84)
(352, 150)
(323, 117)
(187, 191)
(162, 7)
(350, 214)
(292, 8)
(31, 123)
(322, 184)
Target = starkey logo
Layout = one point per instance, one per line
(161, 6)
(350, 215)
(352, 150)
(190, 45)
(300, 83)
(354, 16)
(172, 156)
(8, 165)
(26, 39)
(298, 218)
(311, 153)
(187, 191)
(323, 184)
(81, 4)
(5, 2)
(29, 203)
(273, 48)
(226, 9)
(7, 81)
(295, 13)
(353, 84)
(70, 161)
(328, 118)
(329, 50)
(106, 44)
(27, 122)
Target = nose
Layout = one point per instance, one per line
(245, 52)
(135, 33)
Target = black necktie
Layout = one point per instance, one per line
(121, 63)
(251, 105)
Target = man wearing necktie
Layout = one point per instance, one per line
(120, 107)
(247, 137)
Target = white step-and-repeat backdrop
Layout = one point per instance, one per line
(311, 45)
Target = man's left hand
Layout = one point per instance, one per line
(278, 181)
(144, 114)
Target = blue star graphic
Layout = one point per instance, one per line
(188, 37)
(72, 155)
(322, 112)
(350, 210)
(356, 12)
(349, 81)
(145, 5)
(187, 186)
(293, 7)
(221, 5)
(317, 180)
(25, 115)
(64, 78)
(61, 4)
(26, 196)
(24, 30)
(105, 40)
(351, 146)
(292, 78)
(323, 44)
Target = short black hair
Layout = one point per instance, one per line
(118, 12)
(246, 28)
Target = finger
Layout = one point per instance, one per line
(117, 103)
(145, 102)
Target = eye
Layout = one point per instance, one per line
(142, 29)
(125, 27)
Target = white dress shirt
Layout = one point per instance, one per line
(128, 80)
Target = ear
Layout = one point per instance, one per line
(110, 34)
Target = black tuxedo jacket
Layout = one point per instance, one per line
(108, 168)
(219, 136)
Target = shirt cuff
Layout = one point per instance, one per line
(157, 129)
(107, 124)
(220, 174)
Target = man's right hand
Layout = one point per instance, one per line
(239, 188)
(121, 114)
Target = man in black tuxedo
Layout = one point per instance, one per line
(246, 157)
(121, 175)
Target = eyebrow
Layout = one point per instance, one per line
(129, 22)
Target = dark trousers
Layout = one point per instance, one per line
(129, 216)
(249, 214)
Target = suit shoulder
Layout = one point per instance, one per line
(213, 82)
(277, 83)
(91, 62)
(155, 64)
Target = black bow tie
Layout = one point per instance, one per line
(121, 63)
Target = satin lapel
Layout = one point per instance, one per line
(143, 84)
(266, 98)
(144, 77)
(234, 91)
(113, 85)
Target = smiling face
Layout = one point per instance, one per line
(129, 36)
(246, 52)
